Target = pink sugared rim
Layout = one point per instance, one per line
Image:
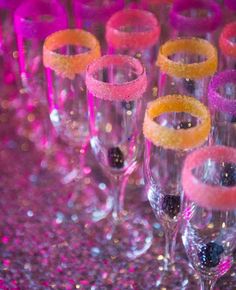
(227, 46)
(205, 195)
(126, 91)
(132, 39)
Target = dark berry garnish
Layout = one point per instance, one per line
(233, 119)
(171, 205)
(184, 125)
(189, 85)
(234, 255)
(209, 255)
(128, 105)
(228, 175)
(115, 157)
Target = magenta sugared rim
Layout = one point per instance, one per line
(28, 23)
(217, 101)
(126, 91)
(193, 24)
(9, 4)
(119, 39)
(84, 10)
(214, 197)
(231, 4)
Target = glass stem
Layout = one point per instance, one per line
(119, 187)
(170, 242)
(207, 284)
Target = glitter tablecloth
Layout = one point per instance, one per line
(43, 242)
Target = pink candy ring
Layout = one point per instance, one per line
(112, 91)
(214, 197)
(227, 46)
(119, 38)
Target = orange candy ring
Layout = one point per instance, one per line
(176, 139)
(67, 66)
(190, 46)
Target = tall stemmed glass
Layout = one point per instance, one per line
(92, 15)
(227, 46)
(34, 21)
(66, 54)
(116, 139)
(209, 234)
(166, 147)
(185, 67)
(230, 9)
(160, 8)
(197, 18)
(222, 104)
(135, 32)
(7, 41)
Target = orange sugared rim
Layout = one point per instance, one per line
(196, 46)
(68, 66)
(227, 46)
(176, 139)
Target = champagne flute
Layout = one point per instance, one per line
(66, 54)
(209, 233)
(197, 18)
(167, 145)
(116, 140)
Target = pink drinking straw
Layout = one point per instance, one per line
(209, 196)
(34, 21)
(192, 25)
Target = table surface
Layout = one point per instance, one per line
(44, 244)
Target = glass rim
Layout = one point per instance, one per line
(83, 9)
(193, 24)
(176, 139)
(132, 39)
(67, 66)
(214, 197)
(216, 100)
(228, 47)
(35, 28)
(188, 45)
(126, 91)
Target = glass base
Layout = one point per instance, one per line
(90, 201)
(179, 276)
(130, 236)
